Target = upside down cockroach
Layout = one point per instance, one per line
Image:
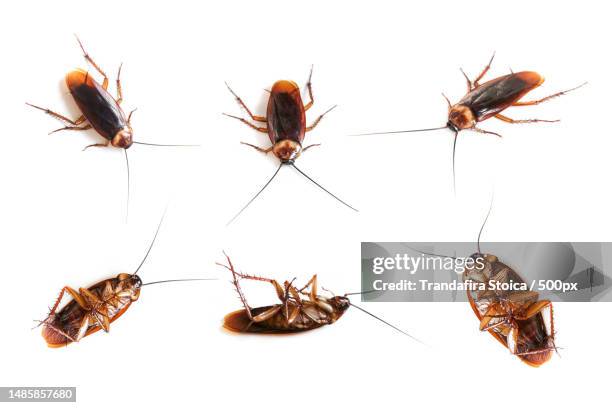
(95, 307)
(286, 127)
(300, 309)
(518, 319)
(99, 110)
(487, 100)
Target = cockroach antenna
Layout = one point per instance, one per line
(323, 188)
(152, 242)
(447, 126)
(401, 131)
(484, 223)
(178, 280)
(387, 323)
(166, 145)
(256, 195)
(127, 166)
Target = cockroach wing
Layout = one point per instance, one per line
(285, 114)
(494, 96)
(96, 104)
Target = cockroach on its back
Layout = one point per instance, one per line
(300, 309)
(517, 319)
(286, 128)
(95, 307)
(484, 101)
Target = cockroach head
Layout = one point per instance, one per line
(132, 280)
(123, 138)
(460, 117)
(340, 303)
(287, 150)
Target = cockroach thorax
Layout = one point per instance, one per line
(461, 117)
(287, 150)
(123, 138)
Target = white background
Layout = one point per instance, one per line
(385, 65)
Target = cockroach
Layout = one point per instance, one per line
(300, 309)
(487, 100)
(518, 319)
(99, 110)
(95, 307)
(286, 127)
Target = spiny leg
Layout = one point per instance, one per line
(546, 98)
(309, 87)
(516, 121)
(261, 149)
(483, 73)
(467, 80)
(236, 275)
(86, 127)
(254, 117)
(261, 129)
(479, 130)
(316, 122)
(92, 62)
(58, 116)
(75, 295)
(105, 144)
(119, 90)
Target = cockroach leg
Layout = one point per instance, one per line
(546, 98)
(59, 116)
(447, 101)
(475, 84)
(534, 309)
(316, 122)
(262, 129)
(119, 90)
(516, 121)
(266, 314)
(479, 130)
(467, 79)
(309, 87)
(239, 100)
(260, 149)
(86, 127)
(97, 145)
(93, 63)
(309, 146)
(129, 119)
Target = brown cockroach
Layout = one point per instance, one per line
(99, 110)
(487, 100)
(286, 127)
(300, 309)
(95, 307)
(518, 319)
